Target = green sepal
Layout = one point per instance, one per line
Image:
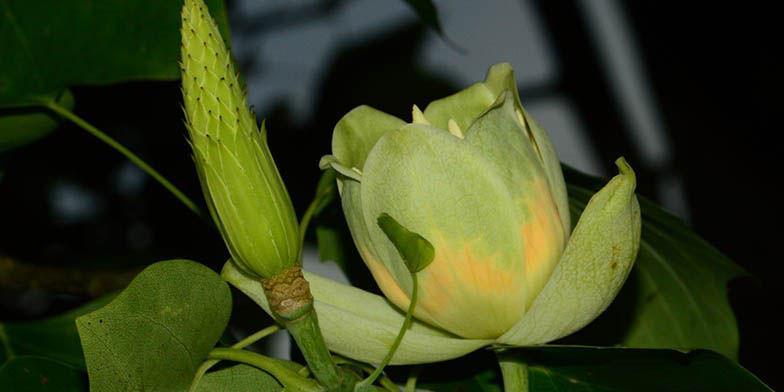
(415, 250)
(374, 322)
(330, 161)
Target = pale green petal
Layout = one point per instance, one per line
(500, 78)
(594, 266)
(439, 186)
(463, 107)
(552, 168)
(504, 144)
(357, 132)
(361, 325)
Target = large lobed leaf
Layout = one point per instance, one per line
(155, 334)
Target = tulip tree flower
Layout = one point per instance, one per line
(476, 177)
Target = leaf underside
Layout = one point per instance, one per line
(155, 334)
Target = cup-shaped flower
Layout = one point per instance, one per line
(478, 178)
(242, 186)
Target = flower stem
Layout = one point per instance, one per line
(306, 333)
(290, 300)
(64, 112)
(287, 377)
(206, 365)
(412, 379)
(514, 372)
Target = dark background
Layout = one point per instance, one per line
(713, 74)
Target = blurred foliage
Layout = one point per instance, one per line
(34, 374)
(55, 338)
(64, 43)
(20, 126)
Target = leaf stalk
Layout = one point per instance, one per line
(92, 130)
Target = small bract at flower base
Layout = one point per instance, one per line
(477, 178)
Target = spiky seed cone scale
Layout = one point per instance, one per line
(244, 191)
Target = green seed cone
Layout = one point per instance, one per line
(244, 191)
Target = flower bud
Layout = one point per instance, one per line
(244, 191)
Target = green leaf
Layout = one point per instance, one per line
(54, 44)
(415, 251)
(591, 369)
(24, 125)
(238, 378)
(156, 333)
(330, 244)
(676, 295)
(54, 338)
(33, 374)
(482, 382)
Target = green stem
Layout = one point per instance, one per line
(287, 377)
(318, 200)
(63, 111)
(406, 325)
(303, 224)
(206, 365)
(514, 372)
(384, 381)
(412, 379)
(305, 331)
